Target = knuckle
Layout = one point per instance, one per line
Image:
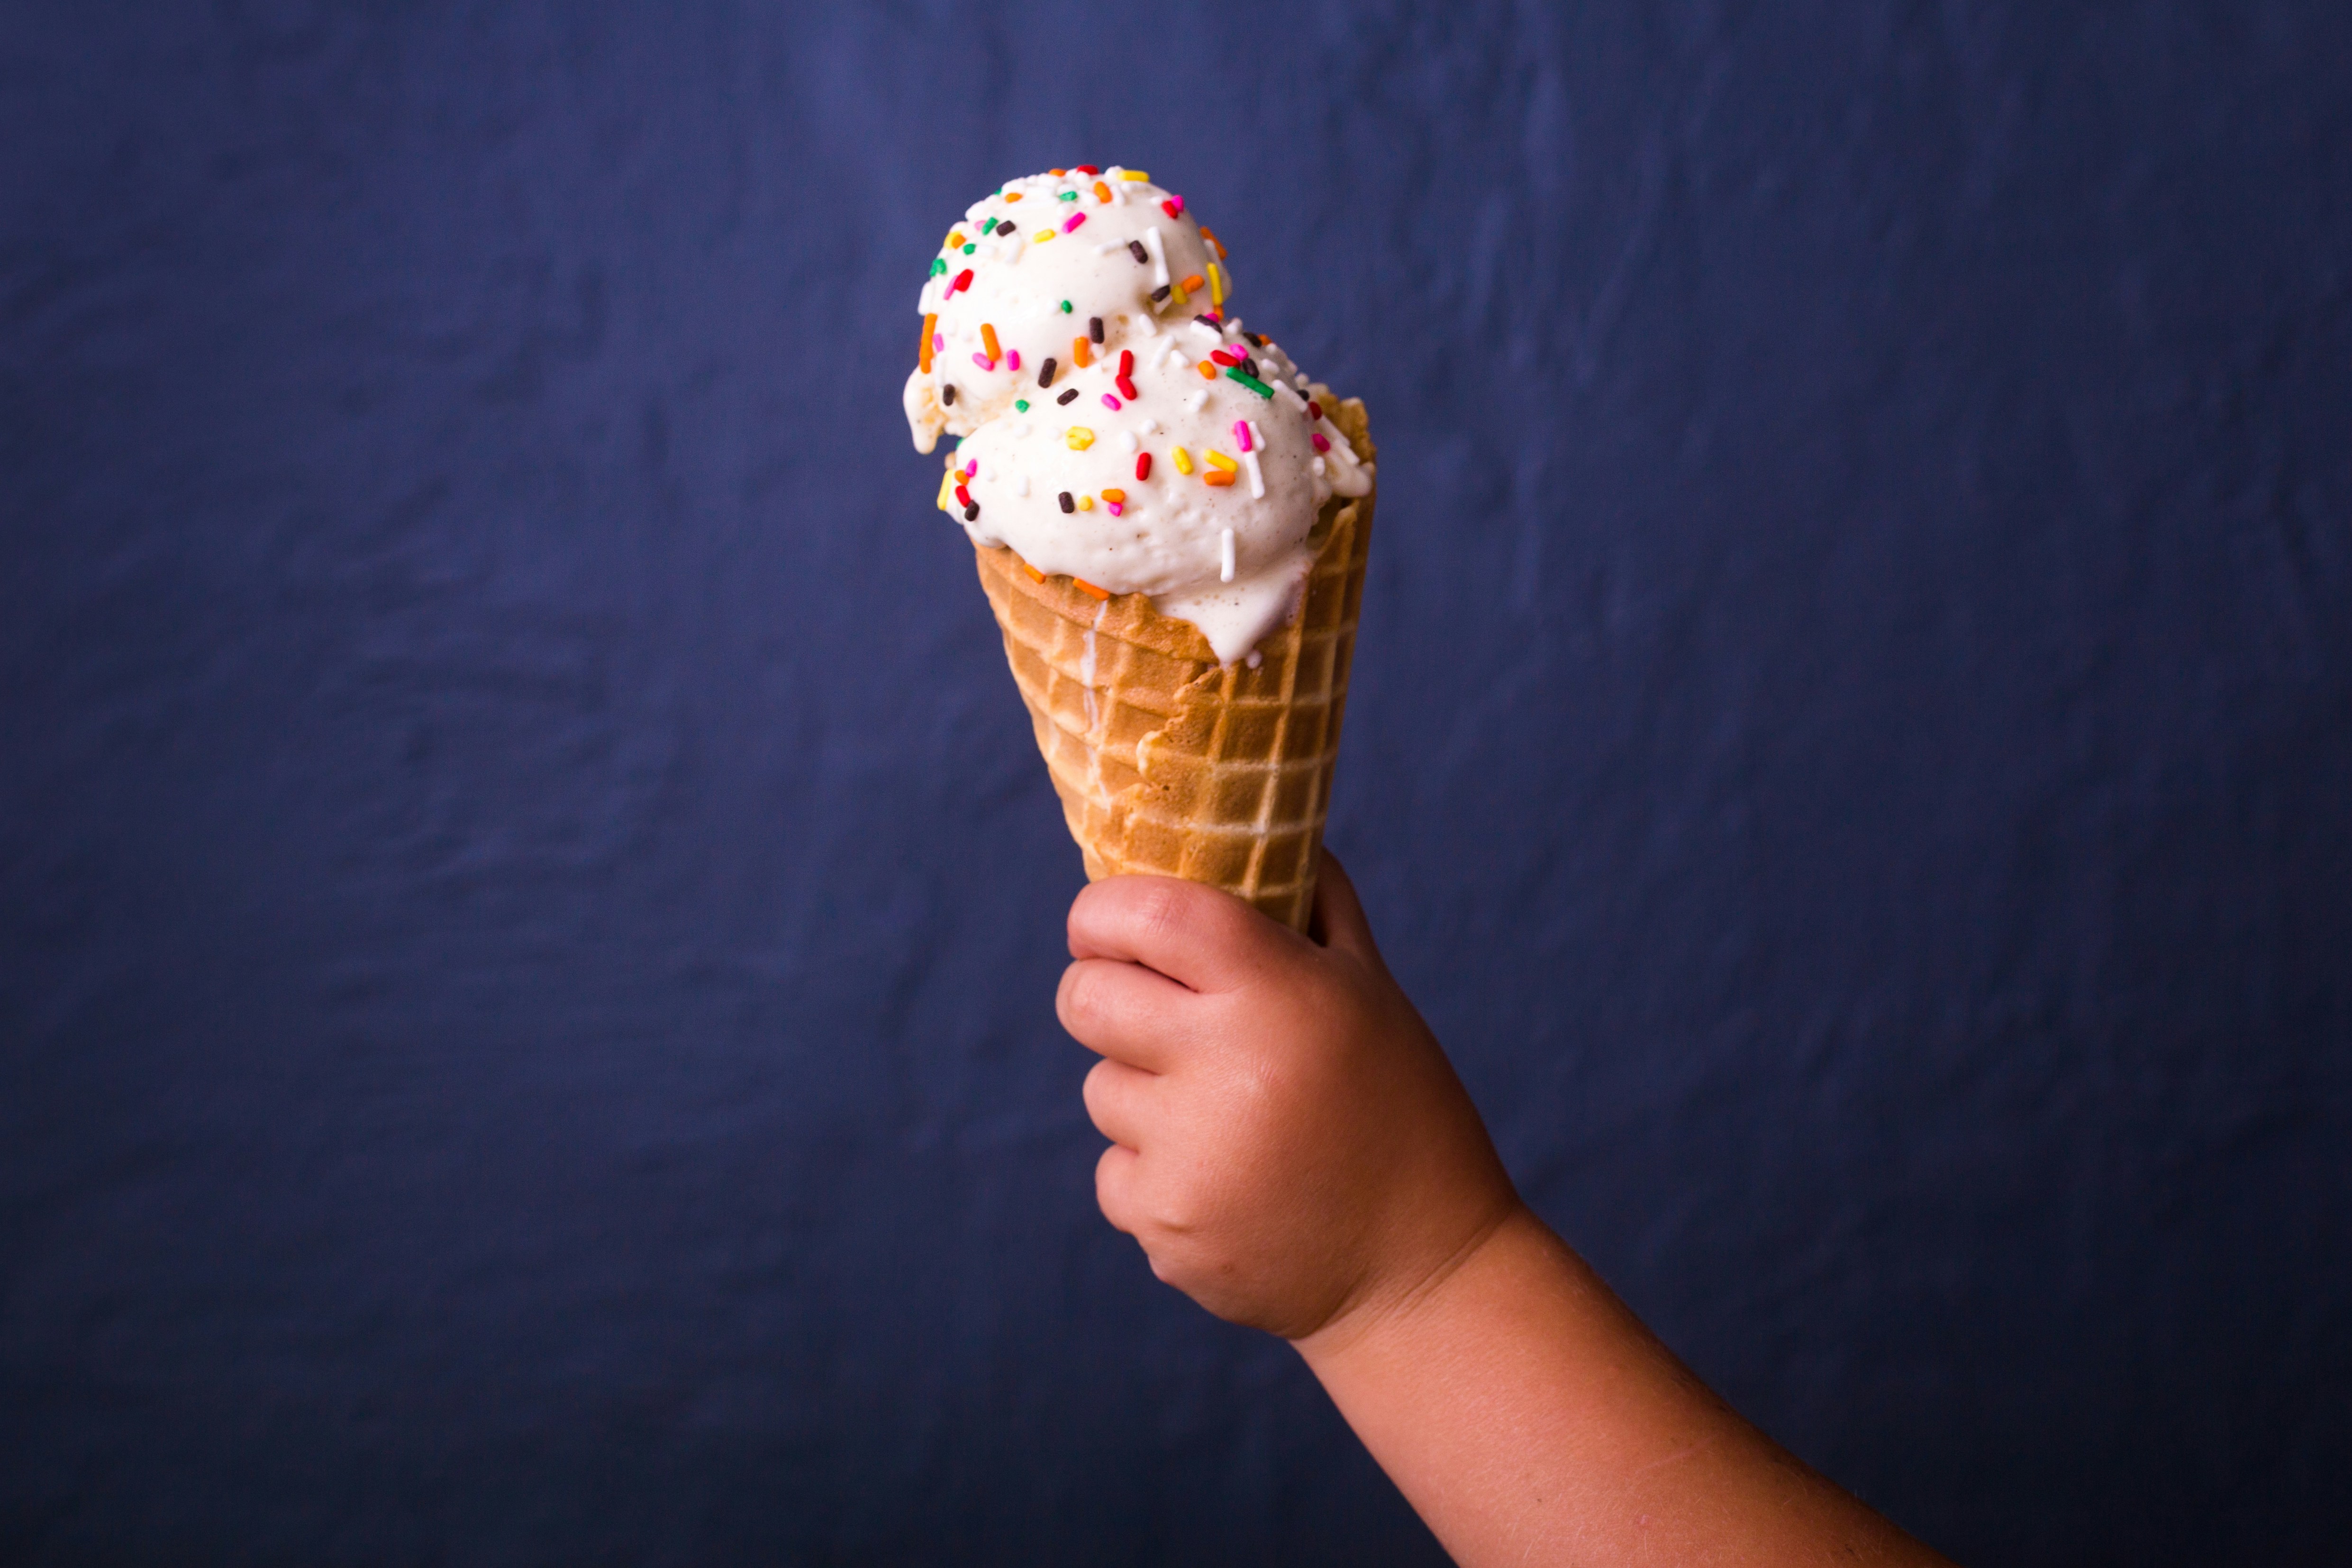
(1080, 1002)
(1160, 907)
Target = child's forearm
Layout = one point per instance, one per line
(1530, 1418)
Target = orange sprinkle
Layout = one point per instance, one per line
(1035, 575)
(1012, 195)
(1216, 476)
(955, 238)
(1195, 281)
(1057, 173)
(1119, 496)
(988, 341)
(1078, 356)
(1102, 191)
(930, 326)
(1090, 588)
(1208, 371)
(1206, 233)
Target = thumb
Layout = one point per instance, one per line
(1339, 920)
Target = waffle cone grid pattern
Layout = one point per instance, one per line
(1167, 762)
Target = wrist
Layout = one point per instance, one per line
(1414, 1302)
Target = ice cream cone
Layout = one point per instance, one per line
(1167, 762)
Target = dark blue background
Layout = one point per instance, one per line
(529, 909)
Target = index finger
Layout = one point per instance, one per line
(1201, 937)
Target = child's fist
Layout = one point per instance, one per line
(1288, 1142)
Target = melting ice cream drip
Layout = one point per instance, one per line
(1094, 708)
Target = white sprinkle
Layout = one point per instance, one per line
(1152, 242)
(1226, 556)
(1257, 437)
(1256, 659)
(1020, 429)
(1021, 485)
(1302, 380)
(1257, 480)
(1200, 326)
(1192, 405)
(1126, 441)
(1317, 465)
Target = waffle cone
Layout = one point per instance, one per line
(1167, 762)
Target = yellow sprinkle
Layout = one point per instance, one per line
(1184, 463)
(1079, 437)
(1041, 236)
(1216, 285)
(946, 488)
(1133, 174)
(1178, 289)
(1220, 460)
(955, 238)
(1086, 503)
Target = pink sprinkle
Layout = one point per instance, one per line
(1109, 402)
(1316, 437)
(972, 468)
(1117, 509)
(939, 342)
(1240, 433)
(1012, 359)
(1075, 219)
(1179, 205)
(983, 361)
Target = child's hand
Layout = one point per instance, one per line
(1288, 1142)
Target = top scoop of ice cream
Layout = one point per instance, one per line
(1118, 427)
(1099, 255)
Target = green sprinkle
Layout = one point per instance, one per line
(939, 265)
(1069, 195)
(1022, 404)
(1250, 382)
(970, 248)
(1065, 308)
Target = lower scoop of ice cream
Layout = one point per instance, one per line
(1191, 468)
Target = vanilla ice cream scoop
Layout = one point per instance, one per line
(1088, 257)
(1118, 427)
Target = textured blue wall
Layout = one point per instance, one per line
(528, 908)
